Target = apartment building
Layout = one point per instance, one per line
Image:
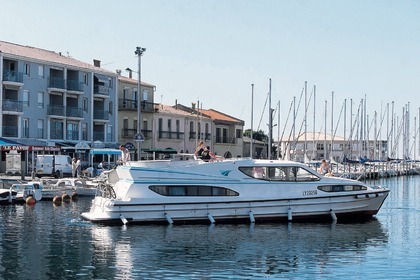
(128, 113)
(52, 99)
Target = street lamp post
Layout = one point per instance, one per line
(139, 52)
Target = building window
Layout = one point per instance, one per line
(40, 126)
(26, 97)
(160, 124)
(85, 78)
(145, 94)
(40, 99)
(72, 131)
(27, 69)
(238, 133)
(218, 137)
(25, 132)
(85, 105)
(84, 131)
(110, 82)
(110, 107)
(41, 71)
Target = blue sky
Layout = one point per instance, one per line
(213, 51)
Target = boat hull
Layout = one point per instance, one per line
(352, 207)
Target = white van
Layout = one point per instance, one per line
(53, 165)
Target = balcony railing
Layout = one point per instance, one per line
(74, 85)
(12, 76)
(98, 136)
(72, 135)
(55, 82)
(74, 112)
(100, 89)
(56, 133)
(10, 131)
(226, 140)
(56, 110)
(128, 132)
(170, 135)
(129, 104)
(101, 115)
(12, 105)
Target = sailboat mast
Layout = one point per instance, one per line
(251, 144)
(270, 120)
(313, 131)
(306, 123)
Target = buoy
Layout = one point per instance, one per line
(57, 200)
(74, 196)
(289, 214)
(211, 218)
(30, 200)
(169, 219)
(333, 216)
(65, 197)
(251, 217)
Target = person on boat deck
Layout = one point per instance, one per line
(207, 155)
(325, 169)
(74, 167)
(125, 155)
(78, 167)
(199, 150)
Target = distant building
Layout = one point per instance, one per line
(321, 145)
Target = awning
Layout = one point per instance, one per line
(102, 79)
(5, 142)
(105, 152)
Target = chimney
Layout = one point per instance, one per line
(130, 72)
(119, 72)
(96, 63)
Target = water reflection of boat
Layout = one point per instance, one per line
(262, 250)
(243, 190)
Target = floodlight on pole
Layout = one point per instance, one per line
(139, 52)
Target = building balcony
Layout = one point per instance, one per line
(101, 115)
(171, 135)
(226, 140)
(131, 105)
(56, 110)
(10, 105)
(128, 132)
(98, 136)
(56, 83)
(101, 90)
(72, 135)
(74, 112)
(12, 79)
(75, 86)
(10, 131)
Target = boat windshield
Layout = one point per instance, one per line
(279, 173)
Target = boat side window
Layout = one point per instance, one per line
(341, 188)
(302, 174)
(181, 190)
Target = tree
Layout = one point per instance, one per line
(257, 135)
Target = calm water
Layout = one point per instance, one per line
(52, 242)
